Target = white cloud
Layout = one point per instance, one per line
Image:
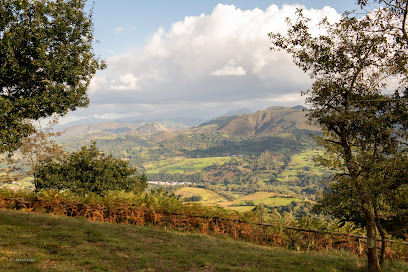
(118, 30)
(110, 116)
(96, 84)
(68, 119)
(229, 70)
(156, 47)
(127, 82)
(222, 57)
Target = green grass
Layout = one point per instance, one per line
(257, 196)
(242, 208)
(265, 198)
(184, 165)
(302, 162)
(39, 242)
(272, 201)
(209, 197)
(240, 204)
(25, 183)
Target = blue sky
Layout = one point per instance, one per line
(141, 19)
(200, 59)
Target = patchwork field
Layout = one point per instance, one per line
(184, 165)
(257, 196)
(271, 201)
(241, 204)
(248, 202)
(208, 197)
(302, 162)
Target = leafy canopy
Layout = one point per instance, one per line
(46, 63)
(364, 125)
(88, 170)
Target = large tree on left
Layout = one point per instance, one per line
(46, 63)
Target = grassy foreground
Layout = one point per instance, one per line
(41, 242)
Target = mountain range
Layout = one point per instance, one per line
(273, 120)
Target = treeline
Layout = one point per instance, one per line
(140, 149)
(197, 178)
(249, 174)
(194, 141)
(252, 146)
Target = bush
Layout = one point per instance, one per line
(88, 170)
(194, 198)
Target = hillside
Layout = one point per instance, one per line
(233, 156)
(151, 128)
(273, 120)
(107, 127)
(39, 242)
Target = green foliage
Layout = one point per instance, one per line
(365, 128)
(194, 198)
(397, 7)
(253, 146)
(46, 63)
(196, 141)
(184, 165)
(88, 170)
(246, 164)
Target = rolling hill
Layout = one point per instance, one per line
(268, 150)
(273, 120)
(151, 128)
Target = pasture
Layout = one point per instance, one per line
(302, 163)
(184, 165)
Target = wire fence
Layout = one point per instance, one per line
(261, 233)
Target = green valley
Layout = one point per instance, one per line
(230, 158)
(236, 159)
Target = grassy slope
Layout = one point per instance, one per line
(299, 162)
(212, 198)
(38, 242)
(273, 201)
(209, 197)
(184, 165)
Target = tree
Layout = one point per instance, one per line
(364, 127)
(40, 147)
(46, 63)
(88, 170)
(34, 149)
(398, 7)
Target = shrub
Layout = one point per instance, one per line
(88, 170)
(194, 198)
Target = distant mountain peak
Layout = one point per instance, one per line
(238, 111)
(151, 128)
(299, 107)
(273, 120)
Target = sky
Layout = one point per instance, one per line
(194, 59)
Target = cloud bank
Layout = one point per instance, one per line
(206, 64)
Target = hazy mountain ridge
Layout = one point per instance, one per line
(273, 120)
(101, 127)
(151, 128)
(242, 153)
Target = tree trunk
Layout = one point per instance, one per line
(373, 264)
(382, 234)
